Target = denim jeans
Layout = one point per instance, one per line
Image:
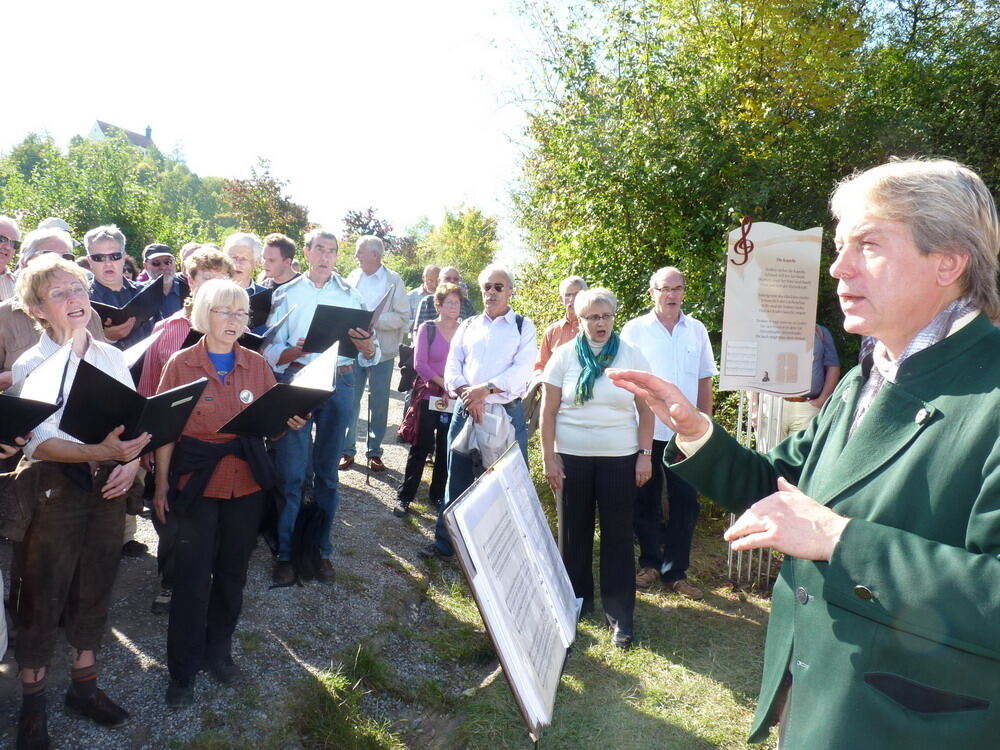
(293, 453)
(461, 474)
(378, 379)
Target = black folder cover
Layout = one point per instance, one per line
(142, 306)
(331, 323)
(19, 416)
(97, 403)
(260, 307)
(268, 415)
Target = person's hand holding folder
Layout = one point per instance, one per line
(6, 451)
(118, 332)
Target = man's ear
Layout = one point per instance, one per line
(951, 267)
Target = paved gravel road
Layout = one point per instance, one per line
(283, 635)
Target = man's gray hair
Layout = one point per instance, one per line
(104, 232)
(317, 233)
(246, 239)
(491, 269)
(33, 238)
(569, 281)
(659, 272)
(596, 296)
(371, 242)
(445, 269)
(431, 267)
(948, 209)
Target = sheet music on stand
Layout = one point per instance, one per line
(506, 550)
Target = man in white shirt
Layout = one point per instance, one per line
(10, 242)
(373, 280)
(677, 348)
(490, 362)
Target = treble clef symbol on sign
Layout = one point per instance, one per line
(744, 245)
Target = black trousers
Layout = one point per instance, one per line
(605, 485)
(213, 543)
(433, 436)
(665, 547)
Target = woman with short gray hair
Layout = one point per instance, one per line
(596, 450)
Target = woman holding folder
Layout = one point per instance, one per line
(68, 556)
(213, 485)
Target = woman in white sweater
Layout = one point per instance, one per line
(596, 448)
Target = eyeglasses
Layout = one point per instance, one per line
(236, 315)
(16, 244)
(602, 318)
(64, 294)
(161, 262)
(670, 289)
(106, 257)
(497, 286)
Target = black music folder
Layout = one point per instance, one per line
(260, 307)
(143, 306)
(97, 403)
(268, 415)
(19, 416)
(31, 400)
(249, 340)
(331, 323)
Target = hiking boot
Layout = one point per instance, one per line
(99, 708)
(161, 604)
(284, 573)
(686, 590)
(325, 574)
(646, 578)
(33, 730)
(375, 463)
(132, 548)
(432, 551)
(180, 693)
(224, 670)
(402, 508)
(346, 462)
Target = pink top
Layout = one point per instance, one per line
(175, 330)
(429, 360)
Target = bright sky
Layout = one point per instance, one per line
(405, 106)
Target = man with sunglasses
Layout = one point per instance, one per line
(677, 349)
(159, 264)
(10, 243)
(105, 247)
(490, 362)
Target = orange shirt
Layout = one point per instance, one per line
(555, 336)
(220, 402)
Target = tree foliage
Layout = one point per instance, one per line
(660, 122)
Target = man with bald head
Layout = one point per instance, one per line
(426, 311)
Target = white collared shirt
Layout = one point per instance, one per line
(486, 350)
(102, 356)
(302, 294)
(683, 357)
(371, 286)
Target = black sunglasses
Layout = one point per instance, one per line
(497, 286)
(105, 257)
(16, 244)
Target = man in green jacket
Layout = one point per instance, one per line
(885, 620)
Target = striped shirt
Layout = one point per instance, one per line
(175, 329)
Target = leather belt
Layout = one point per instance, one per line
(798, 399)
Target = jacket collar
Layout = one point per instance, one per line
(197, 357)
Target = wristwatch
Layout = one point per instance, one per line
(492, 388)
(645, 452)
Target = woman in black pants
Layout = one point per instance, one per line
(429, 356)
(596, 452)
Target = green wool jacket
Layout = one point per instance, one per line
(895, 642)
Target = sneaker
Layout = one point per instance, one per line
(284, 573)
(375, 463)
(132, 548)
(431, 551)
(161, 604)
(402, 509)
(33, 730)
(180, 693)
(224, 670)
(326, 573)
(346, 462)
(685, 589)
(646, 578)
(99, 708)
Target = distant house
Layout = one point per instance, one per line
(102, 130)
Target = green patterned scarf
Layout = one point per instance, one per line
(593, 366)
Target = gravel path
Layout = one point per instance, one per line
(283, 636)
